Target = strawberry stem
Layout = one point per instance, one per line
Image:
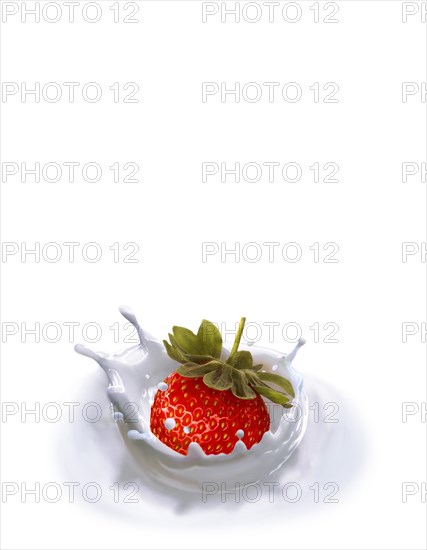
(238, 336)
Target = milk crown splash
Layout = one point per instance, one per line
(134, 376)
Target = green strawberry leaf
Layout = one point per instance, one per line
(278, 380)
(206, 343)
(199, 359)
(210, 338)
(273, 395)
(200, 355)
(186, 340)
(257, 367)
(251, 377)
(241, 360)
(220, 378)
(240, 387)
(174, 353)
(193, 370)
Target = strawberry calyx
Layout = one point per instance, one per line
(200, 356)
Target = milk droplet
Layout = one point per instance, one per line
(170, 423)
(117, 416)
(187, 429)
(147, 376)
(274, 368)
(240, 434)
(162, 386)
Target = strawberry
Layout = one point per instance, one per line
(211, 401)
(209, 417)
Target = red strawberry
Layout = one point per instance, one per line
(207, 416)
(210, 401)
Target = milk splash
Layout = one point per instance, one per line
(135, 375)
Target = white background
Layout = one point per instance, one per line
(170, 132)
